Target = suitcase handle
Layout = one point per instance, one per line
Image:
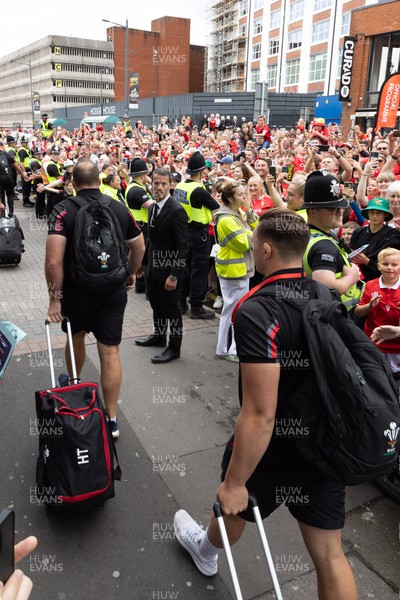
(218, 513)
(50, 351)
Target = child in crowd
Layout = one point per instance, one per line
(347, 230)
(381, 304)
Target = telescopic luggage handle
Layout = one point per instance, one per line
(50, 350)
(232, 569)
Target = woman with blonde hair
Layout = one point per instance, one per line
(234, 263)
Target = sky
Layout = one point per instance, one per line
(81, 18)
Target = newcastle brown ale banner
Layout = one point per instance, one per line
(388, 103)
(347, 68)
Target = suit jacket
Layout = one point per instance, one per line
(167, 248)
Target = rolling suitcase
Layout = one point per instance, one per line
(256, 512)
(11, 241)
(75, 467)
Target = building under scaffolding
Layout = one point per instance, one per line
(226, 47)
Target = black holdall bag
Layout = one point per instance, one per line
(98, 261)
(11, 241)
(75, 466)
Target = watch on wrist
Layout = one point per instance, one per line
(173, 277)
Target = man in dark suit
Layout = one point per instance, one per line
(165, 262)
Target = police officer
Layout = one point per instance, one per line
(127, 125)
(325, 258)
(24, 159)
(53, 172)
(138, 199)
(199, 205)
(46, 128)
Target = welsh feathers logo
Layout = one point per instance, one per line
(392, 434)
(103, 258)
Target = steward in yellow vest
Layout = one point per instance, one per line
(46, 128)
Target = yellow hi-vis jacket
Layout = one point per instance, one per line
(234, 234)
(183, 193)
(355, 292)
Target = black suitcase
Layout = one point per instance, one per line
(75, 466)
(268, 557)
(11, 241)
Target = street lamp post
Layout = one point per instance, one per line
(155, 56)
(126, 58)
(101, 90)
(29, 65)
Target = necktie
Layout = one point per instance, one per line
(155, 213)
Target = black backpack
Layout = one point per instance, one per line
(358, 435)
(5, 171)
(98, 260)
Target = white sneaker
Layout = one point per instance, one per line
(230, 357)
(218, 302)
(189, 533)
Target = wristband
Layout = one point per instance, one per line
(364, 175)
(394, 157)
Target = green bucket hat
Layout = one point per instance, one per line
(378, 204)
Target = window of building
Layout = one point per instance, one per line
(275, 19)
(292, 72)
(243, 7)
(318, 66)
(258, 4)
(296, 10)
(243, 31)
(345, 24)
(258, 26)
(273, 46)
(256, 53)
(320, 32)
(322, 4)
(294, 39)
(255, 78)
(272, 75)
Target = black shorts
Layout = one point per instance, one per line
(310, 498)
(101, 314)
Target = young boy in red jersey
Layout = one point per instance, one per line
(381, 302)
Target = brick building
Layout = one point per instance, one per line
(376, 56)
(163, 58)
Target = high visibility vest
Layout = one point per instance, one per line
(127, 126)
(355, 292)
(230, 263)
(302, 213)
(13, 153)
(141, 215)
(109, 191)
(183, 193)
(44, 129)
(27, 159)
(51, 178)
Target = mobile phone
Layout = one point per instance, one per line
(374, 155)
(7, 527)
(323, 148)
(272, 171)
(396, 133)
(348, 185)
(243, 155)
(358, 251)
(284, 169)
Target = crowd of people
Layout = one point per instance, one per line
(213, 198)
